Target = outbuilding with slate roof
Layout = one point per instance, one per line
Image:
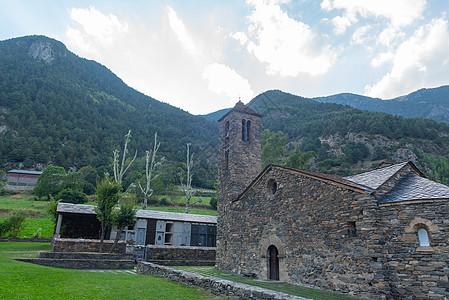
(380, 234)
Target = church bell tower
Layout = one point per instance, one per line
(240, 152)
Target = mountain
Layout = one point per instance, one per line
(347, 140)
(425, 103)
(58, 108)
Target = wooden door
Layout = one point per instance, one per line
(273, 261)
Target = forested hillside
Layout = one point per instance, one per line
(344, 140)
(424, 103)
(57, 108)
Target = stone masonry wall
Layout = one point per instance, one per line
(239, 160)
(216, 286)
(185, 255)
(413, 271)
(327, 235)
(84, 245)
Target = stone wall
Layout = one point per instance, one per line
(84, 245)
(327, 234)
(78, 260)
(181, 256)
(33, 240)
(215, 286)
(413, 270)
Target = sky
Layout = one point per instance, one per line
(205, 55)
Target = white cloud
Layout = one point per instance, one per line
(96, 29)
(288, 47)
(226, 81)
(420, 61)
(398, 12)
(361, 35)
(180, 30)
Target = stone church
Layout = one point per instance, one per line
(382, 234)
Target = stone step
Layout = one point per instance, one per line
(183, 262)
(84, 255)
(81, 263)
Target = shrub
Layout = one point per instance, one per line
(164, 201)
(213, 202)
(72, 196)
(12, 225)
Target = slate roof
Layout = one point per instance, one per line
(144, 214)
(240, 107)
(376, 178)
(330, 178)
(414, 187)
(25, 172)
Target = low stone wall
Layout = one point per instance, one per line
(78, 260)
(215, 286)
(85, 245)
(35, 240)
(181, 255)
(81, 263)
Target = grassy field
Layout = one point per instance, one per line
(19, 280)
(36, 216)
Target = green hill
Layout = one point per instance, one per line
(58, 108)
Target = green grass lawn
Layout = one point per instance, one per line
(37, 217)
(309, 293)
(20, 280)
(33, 225)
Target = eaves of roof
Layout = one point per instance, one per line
(328, 178)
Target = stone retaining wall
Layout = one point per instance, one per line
(81, 263)
(215, 286)
(85, 245)
(182, 255)
(35, 240)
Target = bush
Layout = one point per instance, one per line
(213, 202)
(12, 225)
(164, 201)
(72, 196)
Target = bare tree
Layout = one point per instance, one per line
(187, 187)
(151, 165)
(119, 169)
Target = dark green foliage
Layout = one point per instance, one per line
(299, 160)
(213, 202)
(273, 147)
(424, 103)
(379, 153)
(107, 194)
(50, 181)
(355, 152)
(74, 112)
(69, 195)
(11, 226)
(55, 179)
(439, 167)
(51, 209)
(300, 117)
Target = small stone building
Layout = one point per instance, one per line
(379, 234)
(151, 227)
(22, 179)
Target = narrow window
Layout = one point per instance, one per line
(248, 128)
(227, 159)
(352, 230)
(243, 130)
(423, 237)
(272, 186)
(227, 130)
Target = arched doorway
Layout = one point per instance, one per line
(273, 263)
